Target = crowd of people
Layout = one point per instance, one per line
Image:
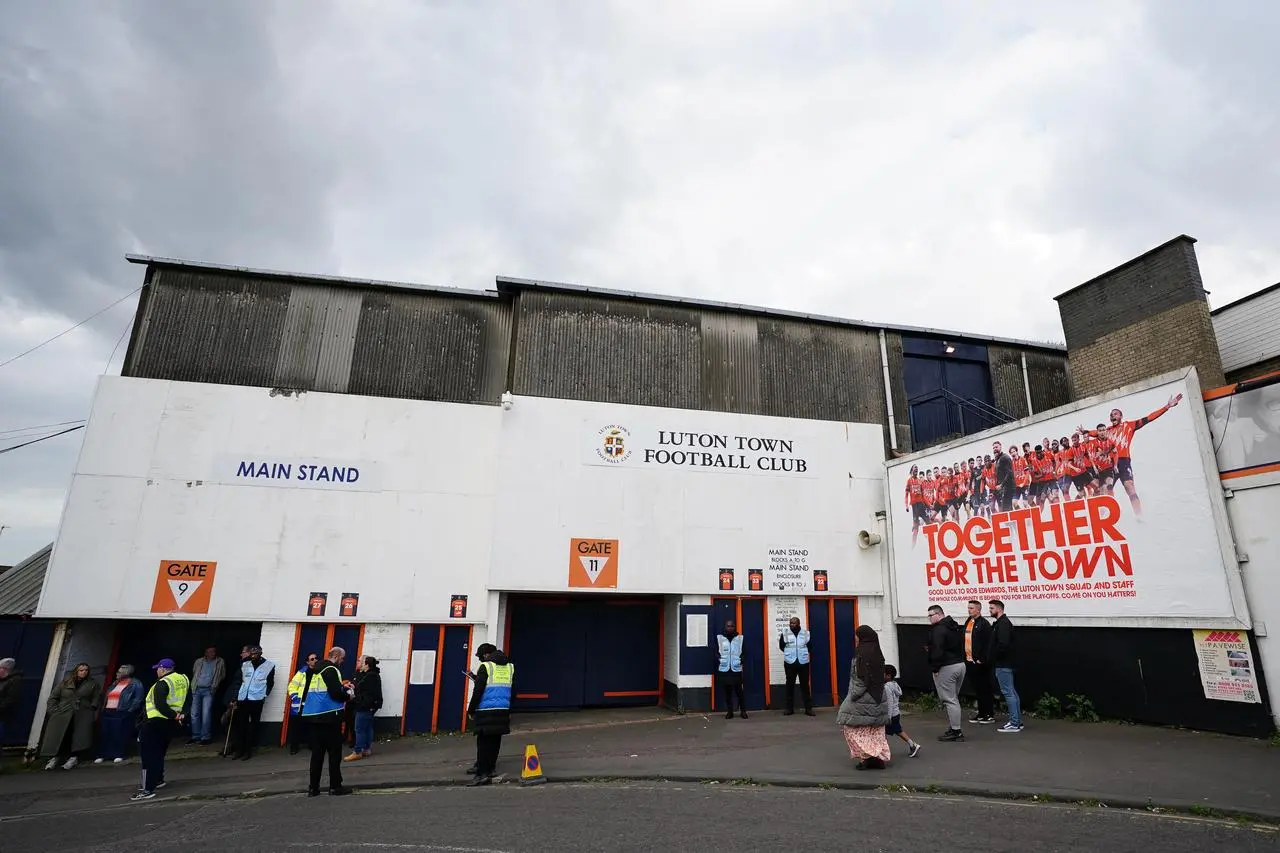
(871, 713)
(1090, 461)
(83, 722)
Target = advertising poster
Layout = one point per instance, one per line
(1101, 512)
(1245, 422)
(1227, 669)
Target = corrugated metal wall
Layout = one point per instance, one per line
(1248, 332)
(200, 325)
(1007, 386)
(620, 351)
(1049, 379)
(205, 326)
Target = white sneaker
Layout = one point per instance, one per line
(53, 762)
(117, 761)
(97, 761)
(1009, 728)
(71, 763)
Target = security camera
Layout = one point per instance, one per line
(866, 539)
(508, 400)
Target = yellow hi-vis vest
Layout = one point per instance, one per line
(179, 684)
(296, 685)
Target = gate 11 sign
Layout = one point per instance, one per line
(183, 586)
(593, 564)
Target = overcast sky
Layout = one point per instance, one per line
(940, 164)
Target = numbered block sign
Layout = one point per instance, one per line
(183, 586)
(593, 564)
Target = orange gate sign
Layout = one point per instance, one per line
(183, 586)
(593, 564)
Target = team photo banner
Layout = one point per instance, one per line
(1102, 512)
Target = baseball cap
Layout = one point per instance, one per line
(167, 663)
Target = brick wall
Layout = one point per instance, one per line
(1145, 317)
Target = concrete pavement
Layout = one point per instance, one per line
(1119, 765)
(620, 818)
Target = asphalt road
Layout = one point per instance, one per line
(616, 818)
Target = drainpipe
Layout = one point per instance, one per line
(1026, 385)
(888, 391)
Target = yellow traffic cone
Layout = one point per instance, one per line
(531, 770)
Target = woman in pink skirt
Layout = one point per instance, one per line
(864, 712)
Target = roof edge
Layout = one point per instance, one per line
(316, 278)
(1131, 262)
(1246, 298)
(512, 285)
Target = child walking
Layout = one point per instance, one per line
(893, 693)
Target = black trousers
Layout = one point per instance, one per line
(798, 672)
(298, 736)
(153, 742)
(326, 741)
(248, 714)
(731, 686)
(980, 677)
(487, 748)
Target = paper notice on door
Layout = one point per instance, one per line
(422, 667)
(695, 630)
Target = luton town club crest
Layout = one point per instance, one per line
(615, 444)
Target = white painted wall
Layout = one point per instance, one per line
(390, 645)
(1254, 509)
(157, 480)
(277, 646)
(677, 525)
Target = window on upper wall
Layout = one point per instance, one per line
(948, 386)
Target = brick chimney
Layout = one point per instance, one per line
(1145, 317)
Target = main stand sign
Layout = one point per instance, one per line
(183, 586)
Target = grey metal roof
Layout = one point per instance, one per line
(378, 284)
(20, 586)
(508, 284)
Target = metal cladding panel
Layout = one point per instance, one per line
(822, 372)
(587, 348)
(730, 363)
(1049, 380)
(200, 327)
(431, 347)
(1248, 331)
(300, 341)
(1007, 386)
(337, 339)
(901, 412)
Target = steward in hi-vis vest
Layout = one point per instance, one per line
(257, 680)
(794, 645)
(165, 704)
(297, 728)
(490, 709)
(323, 699)
(729, 674)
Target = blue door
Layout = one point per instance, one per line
(420, 699)
(28, 643)
(844, 625)
(455, 662)
(624, 653)
(547, 646)
(820, 660)
(749, 614)
(585, 652)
